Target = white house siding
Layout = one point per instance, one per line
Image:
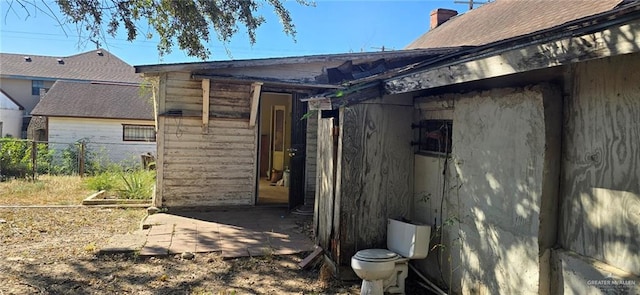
(213, 168)
(103, 137)
(11, 121)
(10, 117)
(600, 209)
(495, 188)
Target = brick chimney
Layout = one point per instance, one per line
(441, 15)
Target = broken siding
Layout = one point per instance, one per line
(215, 168)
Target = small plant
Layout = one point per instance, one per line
(103, 181)
(137, 185)
(91, 247)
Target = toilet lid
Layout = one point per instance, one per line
(376, 255)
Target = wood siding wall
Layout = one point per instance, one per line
(215, 168)
(375, 171)
(312, 155)
(600, 209)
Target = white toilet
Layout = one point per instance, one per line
(383, 270)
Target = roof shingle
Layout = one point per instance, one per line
(504, 19)
(95, 100)
(96, 65)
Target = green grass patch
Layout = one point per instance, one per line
(136, 184)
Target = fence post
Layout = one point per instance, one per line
(81, 170)
(34, 159)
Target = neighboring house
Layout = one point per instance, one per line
(523, 152)
(10, 116)
(115, 120)
(223, 125)
(23, 76)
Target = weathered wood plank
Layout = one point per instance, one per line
(212, 145)
(195, 139)
(224, 101)
(375, 183)
(230, 95)
(205, 105)
(255, 102)
(323, 218)
(185, 93)
(616, 40)
(231, 169)
(208, 152)
(186, 122)
(600, 211)
(161, 156)
(211, 182)
(209, 160)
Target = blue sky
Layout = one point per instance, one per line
(329, 27)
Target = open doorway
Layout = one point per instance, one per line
(275, 142)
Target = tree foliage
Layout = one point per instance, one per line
(189, 24)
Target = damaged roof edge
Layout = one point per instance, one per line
(209, 65)
(588, 25)
(625, 13)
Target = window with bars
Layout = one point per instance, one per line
(435, 136)
(138, 133)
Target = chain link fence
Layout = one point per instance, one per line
(23, 158)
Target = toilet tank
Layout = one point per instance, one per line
(408, 239)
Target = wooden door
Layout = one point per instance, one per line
(297, 151)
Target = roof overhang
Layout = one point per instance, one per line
(613, 33)
(341, 57)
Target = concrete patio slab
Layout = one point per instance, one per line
(234, 232)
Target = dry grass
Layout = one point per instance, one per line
(47, 190)
(53, 251)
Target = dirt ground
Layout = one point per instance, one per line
(54, 251)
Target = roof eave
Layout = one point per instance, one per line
(212, 65)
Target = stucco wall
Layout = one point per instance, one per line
(493, 191)
(103, 136)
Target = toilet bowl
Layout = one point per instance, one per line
(385, 270)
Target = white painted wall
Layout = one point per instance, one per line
(11, 122)
(10, 117)
(104, 136)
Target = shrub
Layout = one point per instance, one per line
(137, 184)
(103, 181)
(16, 161)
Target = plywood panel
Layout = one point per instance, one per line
(376, 173)
(600, 213)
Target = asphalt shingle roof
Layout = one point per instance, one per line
(95, 100)
(96, 65)
(504, 19)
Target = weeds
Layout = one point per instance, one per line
(137, 184)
